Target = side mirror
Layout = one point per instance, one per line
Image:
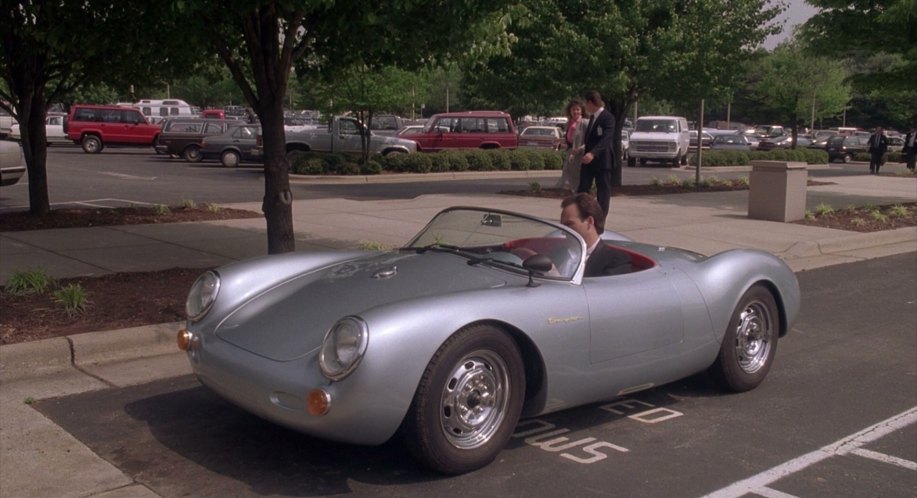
(538, 263)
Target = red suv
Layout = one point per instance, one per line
(96, 126)
(467, 130)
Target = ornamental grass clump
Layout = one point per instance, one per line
(824, 209)
(28, 282)
(73, 298)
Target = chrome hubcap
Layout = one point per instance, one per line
(474, 400)
(753, 337)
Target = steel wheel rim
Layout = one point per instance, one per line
(231, 160)
(92, 145)
(474, 400)
(753, 337)
(193, 154)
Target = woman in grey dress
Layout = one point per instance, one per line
(576, 130)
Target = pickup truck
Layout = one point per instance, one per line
(342, 134)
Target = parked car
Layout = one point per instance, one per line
(12, 166)
(734, 141)
(468, 130)
(213, 114)
(484, 315)
(895, 143)
(844, 147)
(782, 142)
(344, 134)
(706, 139)
(769, 131)
(233, 146)
(819, 138)
(409, 130)
(659, 138)
(98, 126)
(54, 130)
(182, 137)
(386, 124)
(548, 137)
(6, 123)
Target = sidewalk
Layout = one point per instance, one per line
(47, 461)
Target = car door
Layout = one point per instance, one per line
(632, 313)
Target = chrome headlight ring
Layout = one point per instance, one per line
(202, 295)
(343, 347)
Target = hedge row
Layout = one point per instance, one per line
(315, 163)
(744, 158)
(892, 157)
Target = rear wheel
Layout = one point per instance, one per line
(230, 158)
(750, 342)
(676, 160)
(91, 144)
(642, 162)
(848, 157)
(192, 153)
(468, 401)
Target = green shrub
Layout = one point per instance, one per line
(481, 160)
(188, 204)
(213, 207)
(24, 283)
(453, 160)
(309, 166)
(417, 163)
(349, 168)
(519, 160)
(161, 209)
(371, 167)
(500, 159)
(535, 187)
(536, 159)
(72, 298)
(553, 160)
(824, 209)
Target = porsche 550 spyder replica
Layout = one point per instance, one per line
(483, 318)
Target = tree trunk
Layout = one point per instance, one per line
(31, 117)
(700, 145)
(278, 199)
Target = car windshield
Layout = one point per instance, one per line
(661, 125)
(501, 239)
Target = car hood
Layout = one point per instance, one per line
(290, 319)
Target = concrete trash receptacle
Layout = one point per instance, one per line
(777, 191)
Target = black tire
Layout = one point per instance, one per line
(632, 161)
(230, 158)
(192, 154)
(450, 426)
(642, 162)
(848, 157)
(677, 160)
(750, 342)
(684, 159)
(91, 144)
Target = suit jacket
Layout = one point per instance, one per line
(877, 148)
(907, 140)
(605, 260)
(598, 141)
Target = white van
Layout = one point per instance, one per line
(659, 138)
(158, 110)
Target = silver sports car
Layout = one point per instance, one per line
(483, 318)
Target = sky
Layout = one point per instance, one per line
(797, 12)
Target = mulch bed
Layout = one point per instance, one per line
(96, 217)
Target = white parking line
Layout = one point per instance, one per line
(882, 457)
(851, 444)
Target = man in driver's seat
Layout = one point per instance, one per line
(583, 214)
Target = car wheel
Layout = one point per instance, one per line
(230, 158)
(848, 157)
(468, 401)
(677, 160)
(631, 161)
(750, 342)
(642, 162)
(684, 160)
(91, 144)
(192, 153)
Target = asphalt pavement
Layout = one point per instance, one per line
(38, 458)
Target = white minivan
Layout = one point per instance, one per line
(157, 111)
(659, 138)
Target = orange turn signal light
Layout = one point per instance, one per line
(184, 339)
(319, 402)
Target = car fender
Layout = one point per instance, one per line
(726, 276)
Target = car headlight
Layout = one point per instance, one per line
(343, 347)
(202, 295)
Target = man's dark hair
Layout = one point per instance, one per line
(587, 206)
(595, 98)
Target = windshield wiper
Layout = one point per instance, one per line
(435, 247)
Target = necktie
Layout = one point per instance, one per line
(591, 122)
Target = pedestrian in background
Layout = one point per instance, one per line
(878, 146)
(910, 148)
(598, 157)
(575, 133)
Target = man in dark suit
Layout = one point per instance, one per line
(910, 148)
(878, 146)
(582, 214)
(598, 156)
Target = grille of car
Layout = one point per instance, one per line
(641, 146)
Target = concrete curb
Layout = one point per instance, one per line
(423, 177)
(834, 245)
(58, 354)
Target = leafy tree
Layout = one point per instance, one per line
(866, 28)
(626, 50)
(792, 82)
(47, 52)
